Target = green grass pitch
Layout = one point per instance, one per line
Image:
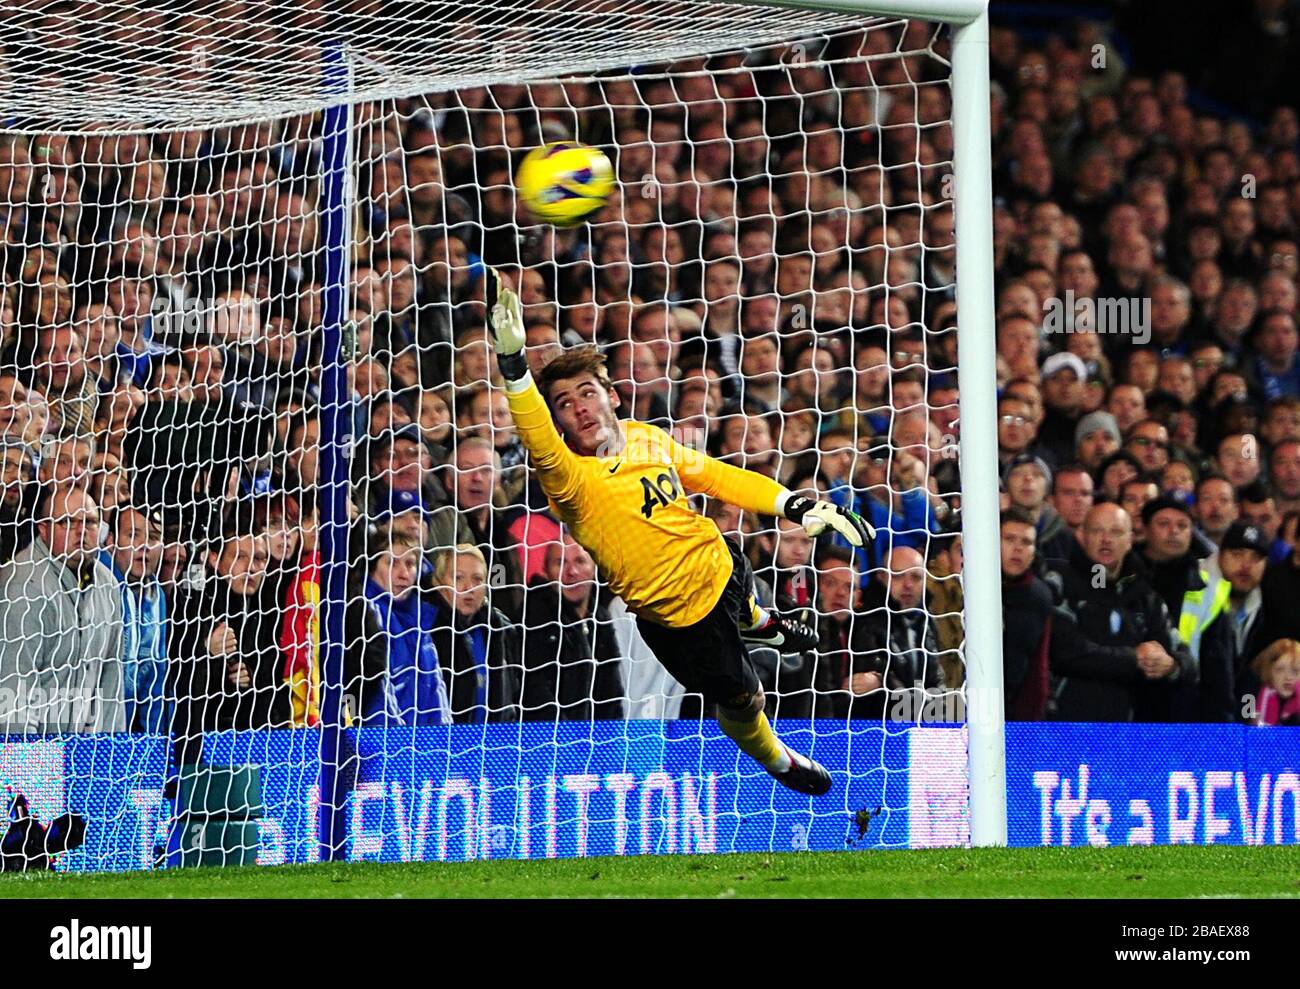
(1004, 872)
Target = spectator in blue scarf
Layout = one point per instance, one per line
(888, 489)
(133, 554)
(413, 691)
(131, 296)
(480, 647)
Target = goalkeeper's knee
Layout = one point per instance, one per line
(746, 707)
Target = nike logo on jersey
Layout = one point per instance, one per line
(616, 467)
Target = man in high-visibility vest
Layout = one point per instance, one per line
(1197, 600)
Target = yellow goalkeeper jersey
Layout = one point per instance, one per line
(666, 561)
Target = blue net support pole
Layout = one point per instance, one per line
(337, 751)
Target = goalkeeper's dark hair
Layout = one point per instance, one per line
(572, 363)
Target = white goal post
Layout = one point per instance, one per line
(976, 370)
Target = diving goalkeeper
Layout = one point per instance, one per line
(621, 490)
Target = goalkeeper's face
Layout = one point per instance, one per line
(584, 413)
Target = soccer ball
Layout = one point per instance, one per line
(565, 182)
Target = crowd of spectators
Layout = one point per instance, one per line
(1149, 440)
(773, 281)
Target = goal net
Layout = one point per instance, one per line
(772, 281)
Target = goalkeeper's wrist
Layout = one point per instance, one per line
(793, 506)
(516, 385)
(514, 367)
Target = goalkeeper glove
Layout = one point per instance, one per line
(506, 322)
(818, 516)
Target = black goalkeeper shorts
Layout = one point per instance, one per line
(709, 657)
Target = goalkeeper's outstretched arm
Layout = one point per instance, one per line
(560, 470)
(753, 492)
(557, 466)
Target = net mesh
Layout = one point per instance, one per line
(211, 62)
(772, 282)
